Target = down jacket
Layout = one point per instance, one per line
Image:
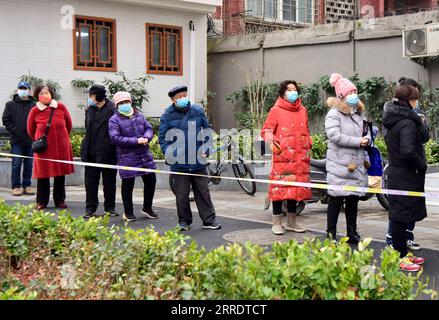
(345, 163)
(288, 123)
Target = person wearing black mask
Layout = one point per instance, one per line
(407, 167)
(411, 244)
(97, 148)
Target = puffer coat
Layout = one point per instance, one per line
(124, 133)
(288, 123)
(407, 162)
(345, 162)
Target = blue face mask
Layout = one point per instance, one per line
(292, 96)
(23, 93)
(182, 103)
(125, 108)
(91, 103)
(352, 99)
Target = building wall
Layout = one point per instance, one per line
(33, 39)
(376, 54)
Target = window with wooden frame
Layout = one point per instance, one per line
(94, 44)
(164, 49)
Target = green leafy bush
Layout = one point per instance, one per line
(76, 140)
(319, 146)
(70, 258)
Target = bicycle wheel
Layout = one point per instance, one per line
(243, 170)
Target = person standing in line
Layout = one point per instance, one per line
(347, 138)
(411, 244)
(185, 118)
(15, 121)
(131, 133)
(59, 146)
(97, 148)
(407, 168)
(286, 131)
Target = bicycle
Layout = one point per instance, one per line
(218, 168)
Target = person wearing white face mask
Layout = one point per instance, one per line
(344, 126)
(15, 120)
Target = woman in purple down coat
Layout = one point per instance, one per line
(131, 133)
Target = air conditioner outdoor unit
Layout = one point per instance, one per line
(421, 41)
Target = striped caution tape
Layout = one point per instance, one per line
(427, 195)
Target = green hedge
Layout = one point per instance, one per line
(47, 257)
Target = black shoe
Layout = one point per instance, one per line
(213, 226)
(354, 238)
(89, 215)
(150, 214)
(128, 217)
(112, 213)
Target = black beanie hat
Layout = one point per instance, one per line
(99, 91)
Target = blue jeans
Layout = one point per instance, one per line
(409, 232)
(16, 180)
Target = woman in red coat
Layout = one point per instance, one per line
(286, 131)
(59, 147)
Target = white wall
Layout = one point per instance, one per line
(31, 37)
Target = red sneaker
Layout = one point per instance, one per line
(407, 265)
(61, 205)
(414, 259)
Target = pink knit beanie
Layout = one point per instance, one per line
(342, 85)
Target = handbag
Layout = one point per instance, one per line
(375, 159)
(40, 145)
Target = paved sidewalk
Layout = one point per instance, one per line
(372, 218)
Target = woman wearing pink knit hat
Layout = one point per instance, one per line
(345, 164)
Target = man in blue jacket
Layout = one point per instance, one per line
(183, 131)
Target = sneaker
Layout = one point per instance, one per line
(213, 226)
(183, 226)
(40, 206)
(405, 264)
(414, 259)
(17, 192)
(413, 245)
(61, 205)
(28, 191)
(128, 218)
(89, 214)
(150, 214)
(112, 213)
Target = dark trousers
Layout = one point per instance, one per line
(334, 207)
(16, 180)
(399, 237)
(201, 192)
(92, 177)
(409, 232)
(59, 190)
(277, 206)
(149, 182)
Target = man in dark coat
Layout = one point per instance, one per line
(185, 122)
(15, 120)
(97, 148)
(407, 168)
